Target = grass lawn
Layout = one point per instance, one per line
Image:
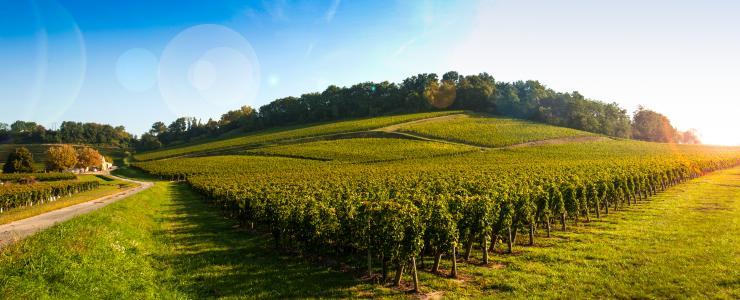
(167, 243)
(106, 188)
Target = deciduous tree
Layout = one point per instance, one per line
(88, 158)
(19, 161)
(61, 158)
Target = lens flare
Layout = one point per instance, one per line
(136, 69)
(59, 58)
(207, 69)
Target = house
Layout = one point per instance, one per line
(106, 166)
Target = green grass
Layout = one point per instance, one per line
(166, 243)
(365, 149)
(162, 243)
(286, 133)
(488, 131)
(107, 187)
(682, 243)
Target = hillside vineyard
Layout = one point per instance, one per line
(394, 211)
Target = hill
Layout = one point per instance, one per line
(257, 139)
(457, 204)
(37, 150)
(457, 127)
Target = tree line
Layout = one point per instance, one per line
(529, 100)
(22, 132)
(58, 158)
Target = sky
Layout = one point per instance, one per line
(133, 63)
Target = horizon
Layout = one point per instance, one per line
(103, 62)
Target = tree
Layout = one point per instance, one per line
(5, 135)
(158, 128)
(690, 136)
(88, 158)
(648, 125)
(19, 161)
(419, 92)
(61, 158)
(149, 141)
(476, 92)
(244, 117)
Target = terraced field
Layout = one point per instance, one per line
(489, 131)
(280, 134)
(365, 150)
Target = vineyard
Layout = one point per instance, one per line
(53, 176)
(406, 202)
(280, 134)
(21, 195)
(490, 132)
(364, 150)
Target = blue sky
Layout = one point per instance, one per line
(137, 62)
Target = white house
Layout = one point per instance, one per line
(105, 166)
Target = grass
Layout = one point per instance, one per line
(365, 149)
(161, 243)
(682, 243)
(107, 187)
(487, 131)
(286, 133)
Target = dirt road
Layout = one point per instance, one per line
(12, 232)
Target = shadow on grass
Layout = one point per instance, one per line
(213, 258)
(132, 173)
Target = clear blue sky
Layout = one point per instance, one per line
(133, 63)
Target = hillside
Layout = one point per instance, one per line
(37, 150)
(456, 204)
(288, 133)
(453, 127)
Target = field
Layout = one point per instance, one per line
(438, 205)
(364, 150)
(179, 247)
(490, 132)
(279, 134)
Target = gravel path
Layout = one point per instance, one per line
(15, 231)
